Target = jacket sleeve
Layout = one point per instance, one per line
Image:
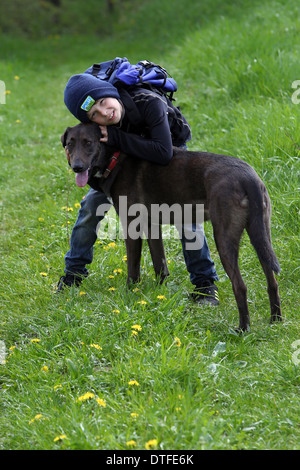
(156, 145)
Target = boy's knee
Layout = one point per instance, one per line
(93, 200)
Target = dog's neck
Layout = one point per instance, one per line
(113, 162)
(105, 181)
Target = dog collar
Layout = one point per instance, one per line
(112, 164)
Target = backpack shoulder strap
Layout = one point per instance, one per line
(132, 112)
(95, 69)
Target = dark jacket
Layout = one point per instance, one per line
(150, 127)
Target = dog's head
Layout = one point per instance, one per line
(85, 153)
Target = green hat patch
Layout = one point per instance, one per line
(87, 104)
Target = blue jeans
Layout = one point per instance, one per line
(84, 234)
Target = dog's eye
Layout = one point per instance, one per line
(88, 142)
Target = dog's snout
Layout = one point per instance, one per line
(78, 168)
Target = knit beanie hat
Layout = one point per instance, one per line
(83, 90)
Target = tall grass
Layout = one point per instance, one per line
(182, 377)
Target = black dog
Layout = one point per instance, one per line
(233, 195)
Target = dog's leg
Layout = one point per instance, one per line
(267, 256)
(158, 253)
(134, 252)
(273, 293)
(230, 263)
(133, 245)
(227, 234)
(271, 281)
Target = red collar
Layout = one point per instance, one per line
(112, 164)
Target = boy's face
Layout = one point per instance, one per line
(106, 111)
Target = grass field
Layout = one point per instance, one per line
(104, 367)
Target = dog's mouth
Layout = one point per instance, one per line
(82, 178)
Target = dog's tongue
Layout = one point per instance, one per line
(81, 179)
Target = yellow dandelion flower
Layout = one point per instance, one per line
(142, 302)
(101, 402)
(77, 205)
(177, 341)
(36, 418)
(17, 121)
(124, 258)
(7, 92)
(134, 333)
(45, 369)
(118, 271)
(133, 383)
(131, 443)
(16, 77)
(112, 288)
(82, 292)
(112, 245)
(96, 346)
(150, 444)
(161, 297)
(44, 274)
(137, 327)
(86, 396)
(134, 415)
(35, 340)
(12, 348)
(116, 311)
(110, 276)
(136, 289)
(56, 387)
(60, 438)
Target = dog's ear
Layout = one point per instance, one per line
(68, 156)
(64, 143)
(64, 137)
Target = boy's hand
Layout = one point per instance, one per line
(104, 133)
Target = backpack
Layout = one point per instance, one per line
(120, 72)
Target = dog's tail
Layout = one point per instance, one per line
(258, 232)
